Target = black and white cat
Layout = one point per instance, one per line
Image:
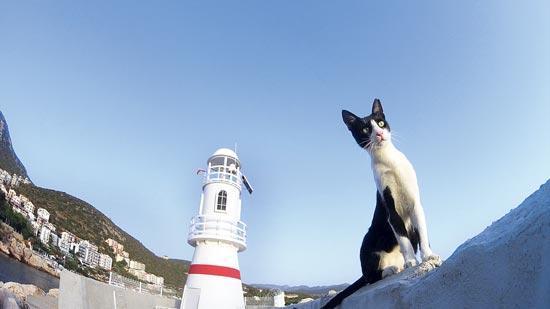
(398, 227)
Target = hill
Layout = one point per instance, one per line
(304, 289)
(505, 266)
(69, 213)
(8, 159)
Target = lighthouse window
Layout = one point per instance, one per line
(217, 161)
(222, 201)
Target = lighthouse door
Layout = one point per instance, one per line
(191, 298)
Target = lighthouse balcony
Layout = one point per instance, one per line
(216, 228)
(223, 174)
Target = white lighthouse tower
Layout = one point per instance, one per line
(214, 279)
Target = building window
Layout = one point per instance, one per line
(222, 201)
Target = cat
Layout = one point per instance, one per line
(398, 226)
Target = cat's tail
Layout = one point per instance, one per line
(336, 300)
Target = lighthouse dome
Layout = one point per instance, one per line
(225, 152)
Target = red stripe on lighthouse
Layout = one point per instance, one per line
(204, 269)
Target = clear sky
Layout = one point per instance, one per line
(118, 103)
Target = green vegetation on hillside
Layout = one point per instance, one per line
(69, 213)
(13, 219)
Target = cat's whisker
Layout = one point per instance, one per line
(396, 140)
(395, 135)
(366, 147)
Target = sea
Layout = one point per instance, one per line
(13, 270)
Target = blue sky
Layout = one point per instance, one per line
(119, 103)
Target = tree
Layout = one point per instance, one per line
(13, 219)
(71, 263)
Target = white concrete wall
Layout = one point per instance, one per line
(80, 292)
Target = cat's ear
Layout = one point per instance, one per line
(349, 118)
(377, 107)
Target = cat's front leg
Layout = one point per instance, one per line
(419, 221)
(407, 250)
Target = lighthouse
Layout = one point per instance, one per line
(218, 234)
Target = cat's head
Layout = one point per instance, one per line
(372, 131)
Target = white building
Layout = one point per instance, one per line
(74, 247)
(64, 246)
(156, 280)
(43, 216)
(16, 201)
(29, 207)
(6, 178)
(136, 265)
(68, 237)
(214, 279)
(50, 226)
(65, 241)
(35, 227)
(18, 210)
(54, 239)
(117, 247)
(119, 258)
(105, 261)
(45, 235)
(11, 193)
(88, 254)
(140, 274)
(14, 180)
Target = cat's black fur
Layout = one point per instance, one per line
(380, 236)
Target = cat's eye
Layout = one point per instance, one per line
(365, 130)
(381, 123)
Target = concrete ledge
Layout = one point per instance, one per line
(80, 292)
(505, 266)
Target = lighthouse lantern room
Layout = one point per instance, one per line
(218, 234)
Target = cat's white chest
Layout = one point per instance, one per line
(393, 170)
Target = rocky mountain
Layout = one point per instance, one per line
(8, 159)
(69, 213)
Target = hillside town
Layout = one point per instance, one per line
(87, 252)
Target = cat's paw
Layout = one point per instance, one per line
(433, 259)
(411, 263)
(391, 270)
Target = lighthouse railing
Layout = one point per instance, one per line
(204, 226)
(223, 173)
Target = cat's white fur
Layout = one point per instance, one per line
(392, 169)
(392, 262)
